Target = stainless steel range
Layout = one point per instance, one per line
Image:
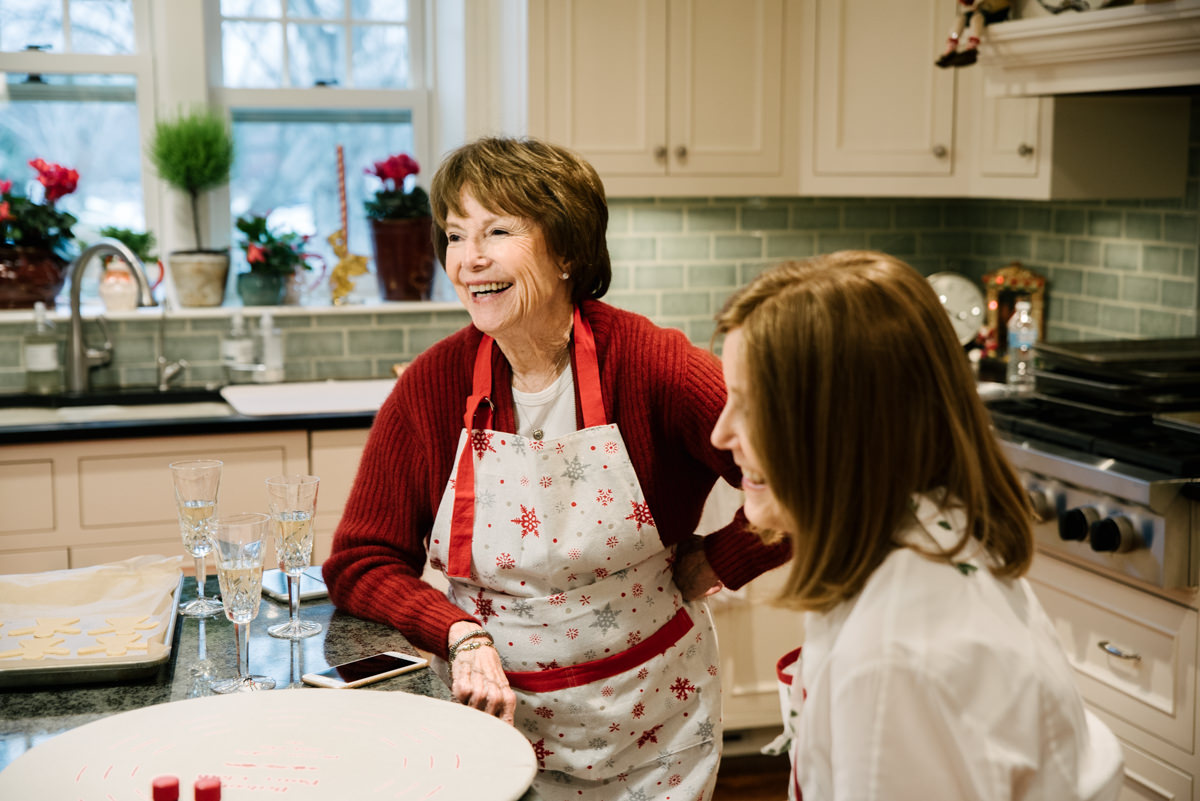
(1111, 457)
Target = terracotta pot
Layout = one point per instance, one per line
(28, 275)
(404, 260)
(261, 289)
(199, 276)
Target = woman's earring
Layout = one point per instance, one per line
(565, 275)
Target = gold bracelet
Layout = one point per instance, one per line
(467, 636)
(470, 647)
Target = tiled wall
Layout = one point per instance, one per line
(1115, 269)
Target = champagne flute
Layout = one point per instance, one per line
(196, 482)
(293, 501)
(238, 540)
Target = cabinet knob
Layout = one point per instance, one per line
(940, 151)
(681, 152)
(1024, 150)
(660, 153)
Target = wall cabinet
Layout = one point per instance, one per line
(668, 97)
(879, 118)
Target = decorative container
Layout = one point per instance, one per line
(404, 258)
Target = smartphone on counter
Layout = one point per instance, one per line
(312, 584)
(365, 671)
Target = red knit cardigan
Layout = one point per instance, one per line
(663, 393)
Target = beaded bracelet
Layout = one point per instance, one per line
(471, 647)
(476, 633)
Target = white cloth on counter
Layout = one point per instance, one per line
(139, 589)
(940, 681)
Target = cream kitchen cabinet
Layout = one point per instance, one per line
(75, 504)
(669, 97)
(879, 118)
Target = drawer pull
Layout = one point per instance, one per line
(1112, 650)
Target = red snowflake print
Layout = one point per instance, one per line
(610, 447)
(639, 709)
(622, 777)
(437, 564)
(481, 441)
(536, 445)
(572, 577)
(559, 448)
(572, 634)
(604, 497)
(585, 600)
(483, 607)
(712, 670)
(528, 522)
(541, 752)
(524, 481)
(601, 572)
(545, 482)
(614, 727)
(551, 665)
(675, 780)
(637, 590)
(643, 673)
(682, 687)
(574, 553)
(641, 515)
(607, 691)
(544, 712)
(633, 639)
(612, 542)
(505, 561)
(649, 736)
(535, 639)
(558, 599)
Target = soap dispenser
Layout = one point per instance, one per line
(43, 370)
(237, 350)
(272, 351)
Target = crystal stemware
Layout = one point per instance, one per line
(196, 483)
(238, 542)
(293, 501)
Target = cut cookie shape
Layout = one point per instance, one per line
(37, 649)
(126, 625)
(116, 644)
(48, 627)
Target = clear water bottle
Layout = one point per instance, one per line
(1022, 336)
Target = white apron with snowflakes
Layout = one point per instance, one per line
(552, 546)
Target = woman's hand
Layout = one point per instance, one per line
(694, 576)
(477, 677)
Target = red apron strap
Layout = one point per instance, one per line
(462, 521)
(590, 397)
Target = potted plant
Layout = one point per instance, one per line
(194, 154)
(117, 287)
(36, 243)
(401, 230)
(275, 259)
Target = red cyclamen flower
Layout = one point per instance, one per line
(255, 254)
(5, 212)
(58, 180)
(5, 187)
(395, 169)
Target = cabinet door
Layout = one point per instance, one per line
(725, 87)
(880, 106)
(598, 81)
(1009, 136)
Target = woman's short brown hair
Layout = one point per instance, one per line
(862, 397)
(539, 181)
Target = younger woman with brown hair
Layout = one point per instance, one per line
(929, 669)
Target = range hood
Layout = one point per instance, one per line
(1145, 46)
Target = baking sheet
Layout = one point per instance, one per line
(309, 744)
(92, 614)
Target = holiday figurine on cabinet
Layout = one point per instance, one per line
(974, 14)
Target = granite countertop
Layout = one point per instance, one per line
(204, 650)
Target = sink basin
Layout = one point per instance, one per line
(130, 396)
(31, 415)
(308, 397)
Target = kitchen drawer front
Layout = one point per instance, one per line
(26, 496)
(1151, 779)
(1155, 692)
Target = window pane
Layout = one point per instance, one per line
(31, 22)
(251, 8)
(380, 57)
(322, 9)
(289, 167)
(252, 54)
(102, 26)
(381, 10)
(316, 53)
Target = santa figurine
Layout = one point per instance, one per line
(976, 14)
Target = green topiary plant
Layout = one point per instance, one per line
(194, 154)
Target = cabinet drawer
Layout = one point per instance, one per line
(1150, 779)
(1155, 691)
(26, 496)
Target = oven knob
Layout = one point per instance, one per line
(1042, 503)
(1076, 523)
(1114, 533)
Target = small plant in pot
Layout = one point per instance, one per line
(36, 243)
(194, 154)
(275, 258)
(117, 287)
(401, 230)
